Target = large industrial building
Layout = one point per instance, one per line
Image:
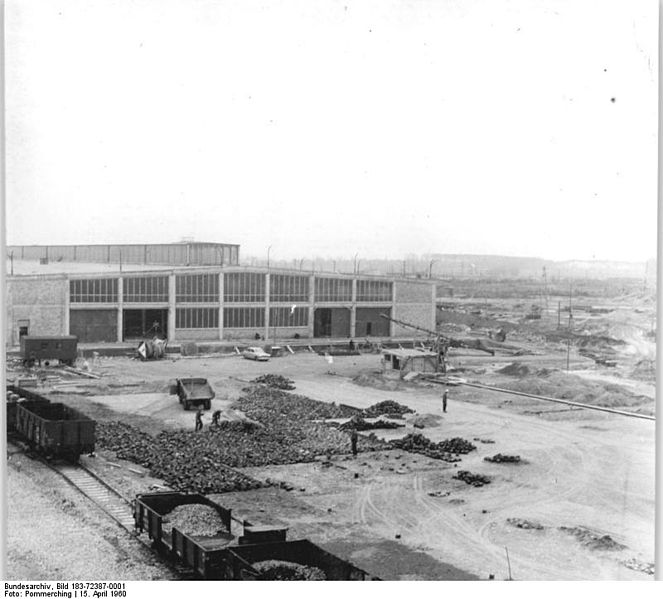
(220, 301)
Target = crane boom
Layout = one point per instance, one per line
(442, 343)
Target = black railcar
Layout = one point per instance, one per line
(55, 430)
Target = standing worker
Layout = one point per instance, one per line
(215, 417)
(445, 396)
(353, 441)
(199, 420)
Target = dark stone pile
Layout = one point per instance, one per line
(447, 450)
(476, 480)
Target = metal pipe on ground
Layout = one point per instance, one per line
(562, 401)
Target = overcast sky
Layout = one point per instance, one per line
(335, 127)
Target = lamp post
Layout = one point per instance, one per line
(268, 250)
(355, 261)
(430, 269)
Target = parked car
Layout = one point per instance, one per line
(255, 353)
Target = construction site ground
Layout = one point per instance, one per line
(578, 506)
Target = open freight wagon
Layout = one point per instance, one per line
(197, 552)
(240, 562)
(55, 430)
(18, 396)
(226, 556)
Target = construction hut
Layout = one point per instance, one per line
(409, 360)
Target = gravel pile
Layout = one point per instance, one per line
(476, 480)
(592, 540)
(275, 381)
(281, 570)
(500, 458)
(194, 519)
(524, 524)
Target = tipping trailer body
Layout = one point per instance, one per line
(194, 392)
(35, 348)
(56, 430)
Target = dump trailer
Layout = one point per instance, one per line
(55, 430)
(35, 348)
(194, 392)
(15, 396)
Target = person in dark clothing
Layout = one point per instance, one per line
(351, 345)
(353, 440)
(215, 417)
(199, 420)
(445, 396)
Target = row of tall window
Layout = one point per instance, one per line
(240, 318)
(239, 287)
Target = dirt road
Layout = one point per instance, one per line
(596, 473)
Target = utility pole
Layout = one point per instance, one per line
(568, 339)
(11, 259)
(559, 314)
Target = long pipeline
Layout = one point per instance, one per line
(563, 401)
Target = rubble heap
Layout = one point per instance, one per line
(447, 450)
(275, 381)
(476, 480)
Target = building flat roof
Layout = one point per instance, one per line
(410, 353)
(86, 269)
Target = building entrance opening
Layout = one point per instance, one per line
(144, 324)
(23, 328)
(331, 322)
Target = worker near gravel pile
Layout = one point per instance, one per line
(445, 396)
(199, 420)
(215, 417)
(353, 440)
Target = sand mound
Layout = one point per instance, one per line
(425, 420)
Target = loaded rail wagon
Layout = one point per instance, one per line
(194, 392)
(35, 348)
(18, 396)
(55, 430)
(240, 561)
(201, 553)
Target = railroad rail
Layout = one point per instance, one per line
(103, 495)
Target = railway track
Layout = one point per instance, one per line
(100, 493)
(103, 495)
